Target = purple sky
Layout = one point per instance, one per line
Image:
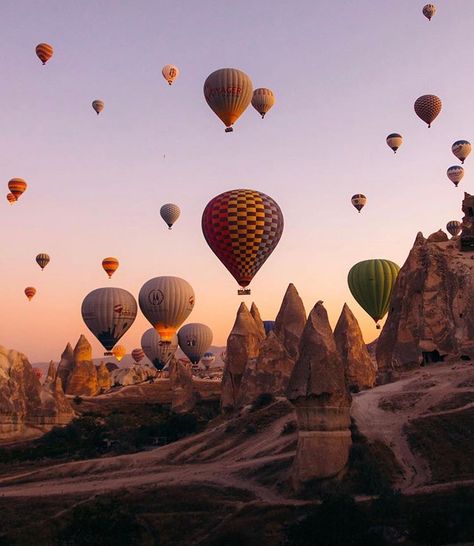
(345, 74)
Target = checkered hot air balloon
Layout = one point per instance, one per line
(170, 213)
(454, 227)
(242, 227)
(427, 108)
(461, 149)
(455, 174)
(44, 52)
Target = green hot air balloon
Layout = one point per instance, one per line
(371, 283)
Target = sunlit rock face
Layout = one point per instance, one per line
(24, 402)
(132, 375)
(184, 395)
(243, 344)
(319, 393)
(104, 381)
(360, 370)
(65, 365)
(431, 315)
(268, 373)
(82, 380)
(258, 319)
(290, 321)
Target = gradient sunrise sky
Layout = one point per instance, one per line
(345, 74)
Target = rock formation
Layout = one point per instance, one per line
(242, 345)
(132, 375)
(104, 381)
(268, 373)
(318, 391)
(111, 366)
(467, 233)
(24, 402)
(184, 395)
(290, 321)
(431, 316)
(258, 319)
(359, 368)
(51, 374)
(82, 380)
(65, 365)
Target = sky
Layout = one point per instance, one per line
(345, 74)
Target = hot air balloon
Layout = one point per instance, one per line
(170, 73)
(119, 351)
(44, 52)
(109, 313)
(207, 359)
(358, 201)
(11, 198)
(170, 213)
(371, 283)
(194, 340)
(138, 355)
(228, 92)
(427, 108)
(17, 186)
(268, 325)
(429, 10)
(454, 227)
(98, 106)
(166, 303)
(461, 149)
(262, 100)
(30, 291)
(455, 174)
(394, 141)
(156, 350)
(110, 265)
(42, 260)
(242, 227)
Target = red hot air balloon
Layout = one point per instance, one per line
(11, 198)
(242, 227)
(138, 355)
(44, 52)
(30, 291)
(427, 108)
(17, 186)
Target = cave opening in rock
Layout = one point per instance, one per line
(432, 356)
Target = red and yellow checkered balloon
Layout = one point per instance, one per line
(242, 227)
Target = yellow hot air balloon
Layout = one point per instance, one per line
(110, 265)
(44, 52)
(262, 100)
(394, 141)
(11, 198)
(228, 92)
(17, 186)
(119, 352)
(98, 106)
(170, 73)
(30, 291)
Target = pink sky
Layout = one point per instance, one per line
(344, 74)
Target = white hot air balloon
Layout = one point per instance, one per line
(461, 149)
(109, 313)
(158, 352)
(455, 174)
(207, 359)
(166, 303)
(170, 213)
(194, 340)
(170, 73)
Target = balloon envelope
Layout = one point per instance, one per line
(427, 108)
(170, 73)
(17, 186)
(98, 106)
(207, 359)
(358, 201)
(30, 291)
(429, 10)
(371, 283)
(262, 100)
(138, 355)
(394, 141)
(42, 260)
(109, 313)
(170, 213)
(194, 340)
(119, 351)
(44, 52)
(228, 93)
(461, 149)
(455, 174)
(110, 265)
(242, 227)
(156, 350)
(454, 227)
(11, 198)
(166, 303)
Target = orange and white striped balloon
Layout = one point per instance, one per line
(44, 52)
(110, 265)
(11, 198)
(17, 186)
(170, 73)
(30, 291)
(262, 100)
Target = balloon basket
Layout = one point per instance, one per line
(229, 130)
(108, 353)
(243, 291)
